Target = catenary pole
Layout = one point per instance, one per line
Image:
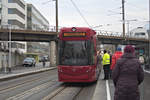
(9, 47)
(149, 34)
(57, 16)
(1, 12)
(123, 18)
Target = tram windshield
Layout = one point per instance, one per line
(74, 53)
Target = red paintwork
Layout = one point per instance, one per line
(89, 33)
(78, 73)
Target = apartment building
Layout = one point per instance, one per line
(19, 15)
(35, 20)
(13, 12)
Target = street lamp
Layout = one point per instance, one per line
(8, 44)
(149, 33)
(57, 16)
(9, 68)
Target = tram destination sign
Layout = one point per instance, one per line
(74, 34)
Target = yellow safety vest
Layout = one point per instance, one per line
(106, 59)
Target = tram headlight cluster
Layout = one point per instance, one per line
(89, 70)
(60, 70)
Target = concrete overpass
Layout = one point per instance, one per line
(52, 37)
(28, 35)
(106, 39)
(47, 36)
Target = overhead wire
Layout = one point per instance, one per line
(80, 13)
(138, 8)
(135, 6)
(47, 2)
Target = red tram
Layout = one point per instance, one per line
(77, 55)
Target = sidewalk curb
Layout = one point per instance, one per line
(13, 76)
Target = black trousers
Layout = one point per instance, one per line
(106, 71)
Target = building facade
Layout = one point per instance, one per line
(13, 12)
(139, 32)
(37, 47)
(20, 47)
(35, 20)
(19, 15)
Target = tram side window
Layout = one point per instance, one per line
(60, 50)
(92, 54)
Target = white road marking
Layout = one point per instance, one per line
(146, 71)
(108, 90)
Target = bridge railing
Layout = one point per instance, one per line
(109, 34)
(34, 28)
(117, 34)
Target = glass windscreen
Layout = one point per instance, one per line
(73, 53)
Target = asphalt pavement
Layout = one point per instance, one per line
(105, 88)
(23, 71)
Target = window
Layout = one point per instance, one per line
(92, 51)
(9, 22)
(14, 45)
(10, 1)
(139, 34)
(10, 11)
(18, 2)
(74, 53)
(0, 10)
(16, 22)
(16, 11)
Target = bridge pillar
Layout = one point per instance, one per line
(53, 53)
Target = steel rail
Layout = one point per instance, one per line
(9, 88)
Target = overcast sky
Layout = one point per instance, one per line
(96, 12)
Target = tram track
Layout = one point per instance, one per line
(9, 88)
(54, 93)
(32, 91)
(78, 93)
(64, 93)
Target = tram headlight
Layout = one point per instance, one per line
(89, 69)
(59, 69)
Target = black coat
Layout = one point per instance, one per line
(127, 75)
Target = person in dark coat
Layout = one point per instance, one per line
(127, 76)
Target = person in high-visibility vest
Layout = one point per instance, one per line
(106, 65)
